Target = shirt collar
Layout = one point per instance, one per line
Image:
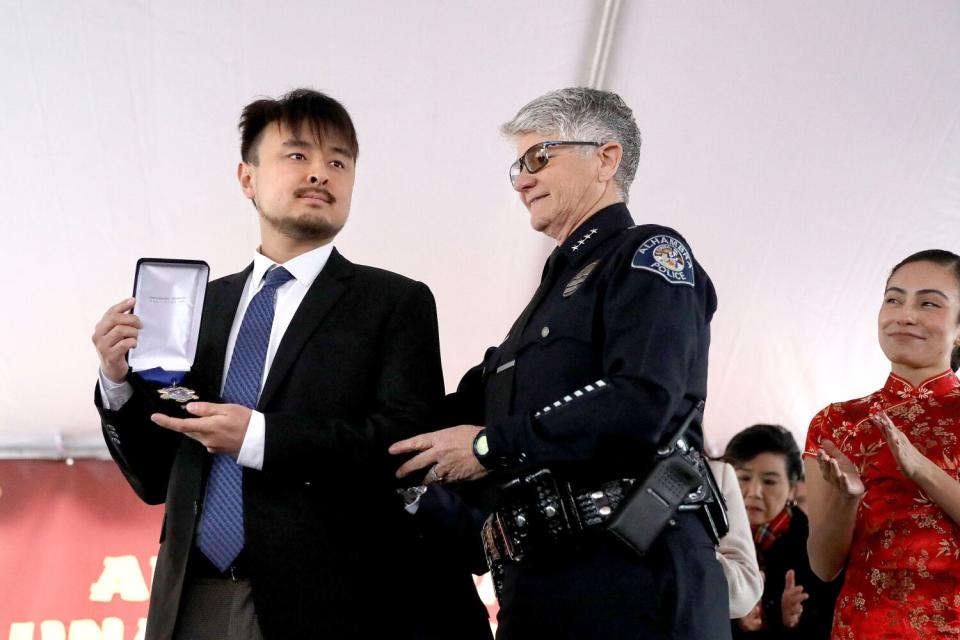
(594, 230)
(937, 385)
(304, 268)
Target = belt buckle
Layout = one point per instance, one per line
(511, 536)
(238, 571)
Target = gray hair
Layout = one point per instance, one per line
(586, 115)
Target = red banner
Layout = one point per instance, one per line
(77, 549)
(76, 552)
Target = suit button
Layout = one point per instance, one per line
(196, 507)
(544, 332)
(306, 484)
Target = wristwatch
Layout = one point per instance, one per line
(480, 447)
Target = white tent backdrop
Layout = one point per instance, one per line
(802, 149)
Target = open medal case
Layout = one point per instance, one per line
(169, 302)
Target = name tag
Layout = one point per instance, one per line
(506, 366)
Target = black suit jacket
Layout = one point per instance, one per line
(326, 536)
(449, 551)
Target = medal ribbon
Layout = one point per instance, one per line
(162, 376)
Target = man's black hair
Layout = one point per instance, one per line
(325, 116)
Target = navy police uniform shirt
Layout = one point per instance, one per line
(605, 362)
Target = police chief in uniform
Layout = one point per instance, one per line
(596, 374)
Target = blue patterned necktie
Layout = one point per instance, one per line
(220, 535)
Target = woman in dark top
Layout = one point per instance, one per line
(795, 603)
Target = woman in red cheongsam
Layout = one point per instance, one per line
(884, 495)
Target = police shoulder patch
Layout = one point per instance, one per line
(666, 256)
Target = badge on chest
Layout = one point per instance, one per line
(578, 279)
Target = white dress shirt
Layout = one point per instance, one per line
(304, 268)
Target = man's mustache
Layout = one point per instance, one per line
(313, 190)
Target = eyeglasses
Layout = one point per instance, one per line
(536, 157)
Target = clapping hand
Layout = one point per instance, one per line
(753, 621)
(837, 469)
(910, 461)
(791, 602)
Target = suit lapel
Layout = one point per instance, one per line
(222, 299)
(323, 294)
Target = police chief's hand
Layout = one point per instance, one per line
(114, 336)
(449, 451)
(219, 427)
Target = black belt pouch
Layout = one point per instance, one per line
(646, 512)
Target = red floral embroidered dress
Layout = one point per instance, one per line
(903, 571)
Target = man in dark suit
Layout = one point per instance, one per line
(290, 439)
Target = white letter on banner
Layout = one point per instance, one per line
(90, 630)
(52, 630)
(21, 630)
(141, 629)
(153, 568)
(121, 576)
